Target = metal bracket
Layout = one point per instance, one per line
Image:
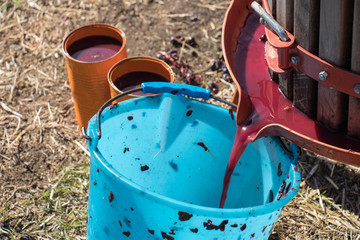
(282, 56)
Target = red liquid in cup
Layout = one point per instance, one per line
(134, 79)
(270, 106)
(94, 48)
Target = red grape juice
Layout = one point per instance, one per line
(134, 79)
(94, 48)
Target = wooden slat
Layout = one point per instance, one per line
(334, 44)
(285, 16)
(354, 103)
(306, 31)
(272, 6)
(285, 13)
(286, 84)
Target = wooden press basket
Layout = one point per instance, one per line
(323, 78)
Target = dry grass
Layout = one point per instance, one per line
(327, 205)
(60, 210)
(43, 163)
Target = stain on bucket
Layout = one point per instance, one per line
(177, 195)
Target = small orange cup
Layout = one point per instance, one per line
(135, 65)
(88, 79)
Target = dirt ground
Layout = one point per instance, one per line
(44, 163)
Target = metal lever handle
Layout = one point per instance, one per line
(274, 25)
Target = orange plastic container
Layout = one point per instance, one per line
(137, 64)
(88, 80)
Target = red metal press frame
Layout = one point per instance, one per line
(282, 56)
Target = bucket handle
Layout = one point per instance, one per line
(157, 88)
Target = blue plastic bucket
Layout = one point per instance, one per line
(158, 168)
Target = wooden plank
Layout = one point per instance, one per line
(286, 84)
(272, 6)
(334, 47)
(354, 103)
(306, 32)
(285, 16)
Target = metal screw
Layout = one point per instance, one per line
(323, 75)
(357, 89)
(261, 21)
(295, 59)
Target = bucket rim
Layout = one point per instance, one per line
(136, 60)
(121, 34)
(216, 212)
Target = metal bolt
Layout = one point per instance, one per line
(323, 75)
(295, 59)
(261, 21)
(357, 89)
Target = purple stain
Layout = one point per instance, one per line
(243, 227)
(210, 226)
(287, 188)
(279, 173)
(281, 191)
(130, 118)
(173, 165)
(144, 168)
(126, 234)
(151, 232)
(194, 230)
(184, 216)
(271, 196)
(201, 144)
(165, 236)
(189, 112)
(111, 196)
(126, 150)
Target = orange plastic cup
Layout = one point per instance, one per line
(88, 80)
(135, 65)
